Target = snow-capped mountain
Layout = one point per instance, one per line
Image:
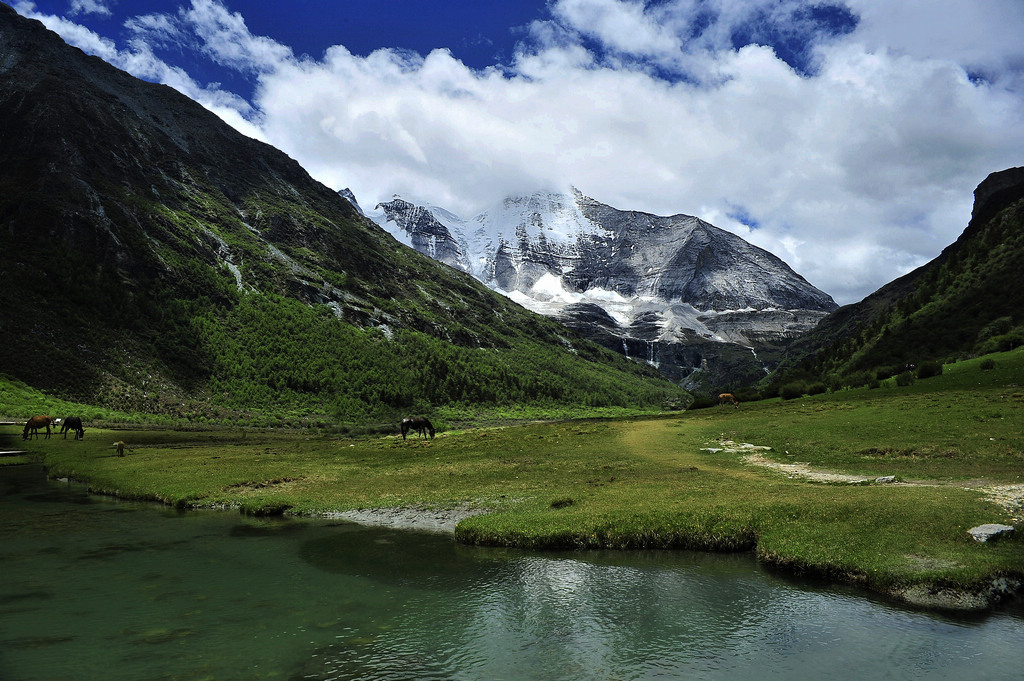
(705, 306)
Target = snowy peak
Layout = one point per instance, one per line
(632, 280)
(590, 246)
(550, 216)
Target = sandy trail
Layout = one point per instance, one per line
(1009, 497)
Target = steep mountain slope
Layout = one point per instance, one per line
(153, 258)
(700, 303)
(968, 300)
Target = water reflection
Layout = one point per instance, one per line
(96, 588)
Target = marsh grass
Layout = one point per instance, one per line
(644, 482)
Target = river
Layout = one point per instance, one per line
(98, 588)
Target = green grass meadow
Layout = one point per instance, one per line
(646, 482)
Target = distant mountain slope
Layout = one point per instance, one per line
(700, 303)
(153, 258)
(968, 300)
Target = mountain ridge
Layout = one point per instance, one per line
(156, 260)
(674, 290)
(968, 300)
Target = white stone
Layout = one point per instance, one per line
(991, 531)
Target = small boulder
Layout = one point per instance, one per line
(989, 532)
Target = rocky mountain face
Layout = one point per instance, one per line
(151, 255)
(704, 306)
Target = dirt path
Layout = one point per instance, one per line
(1009, 497)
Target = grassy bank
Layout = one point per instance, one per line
(651, 482)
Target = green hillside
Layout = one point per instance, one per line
(966, 302)
(154, 260)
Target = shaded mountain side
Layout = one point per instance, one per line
(968, 300)
(153, 258)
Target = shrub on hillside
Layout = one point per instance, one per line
(857, 379)
(929, 369)
(904, 379)
(988, 364)
(882, 373)
(817, 388)
(1002, 343)
(748, 395)
(791, 391)
(997, 327)
(703, 403)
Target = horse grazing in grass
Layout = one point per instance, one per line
(728, 397)
(73, 423)
(419, 424)
(34, 424)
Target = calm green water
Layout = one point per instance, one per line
(95, 588)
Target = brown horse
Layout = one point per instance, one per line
(34, 424)
(73, 423)
(419, 424)
(728, 397)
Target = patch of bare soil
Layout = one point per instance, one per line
(424, 518)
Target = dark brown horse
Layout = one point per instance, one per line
(419, 424)
(728, 397)
(73, 423)
(34, 424)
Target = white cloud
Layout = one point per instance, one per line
(854, 171)
(227, 41)
(90, 7)
(983, 36)
(624, 26)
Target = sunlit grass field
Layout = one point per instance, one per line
(651, 482)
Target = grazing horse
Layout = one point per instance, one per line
(73, 423)
(419, 424)
(728, 397)
(34, 424)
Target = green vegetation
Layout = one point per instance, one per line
(192, 345)
(665, 482)
(965, 303)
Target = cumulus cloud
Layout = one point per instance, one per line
(623, 26)
(90, 7)
(225, 38)
(983, 36)
(832, 135)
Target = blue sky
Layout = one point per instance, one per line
(847, 137)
